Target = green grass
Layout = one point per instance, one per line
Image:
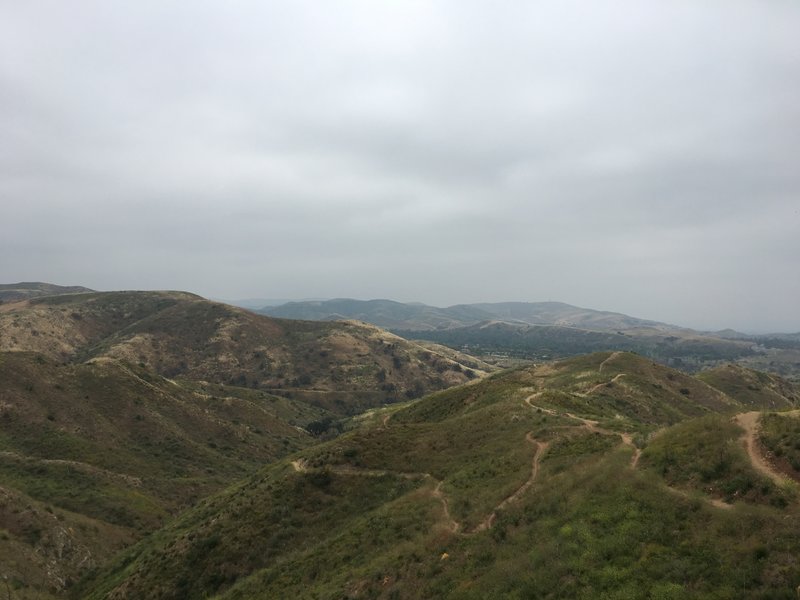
(364, 521)
(753, 389)
(706, 454)
(589, 526)
(285, 510)
(780, 435)
(122, 447)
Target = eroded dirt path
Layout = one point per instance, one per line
(599, 386)
(541, 448)
(749, 422)
(589, 424)
(453, 525)
(713, 501)
(627, 438)
(608, 360)
(529, 401)
(301, 466)
(80, 466)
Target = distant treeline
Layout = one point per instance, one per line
(544, 342)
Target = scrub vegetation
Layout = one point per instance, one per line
(525, 485)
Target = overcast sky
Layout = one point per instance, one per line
(636, 156)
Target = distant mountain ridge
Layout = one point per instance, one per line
(422, 317)
(548, 330)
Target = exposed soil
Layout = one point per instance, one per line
(453, 525)
(608, 360)
(749, 422)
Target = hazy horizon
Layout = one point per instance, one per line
(252, 304)
(635, 157)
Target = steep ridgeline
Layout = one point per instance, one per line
(604, 476)
(345, 367)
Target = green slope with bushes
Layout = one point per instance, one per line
(603, 476)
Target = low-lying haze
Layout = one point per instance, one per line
(632, 156)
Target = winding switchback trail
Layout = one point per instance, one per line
(301, 466)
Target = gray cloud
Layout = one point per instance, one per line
(633, 156)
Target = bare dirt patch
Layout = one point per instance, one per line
(749, 422)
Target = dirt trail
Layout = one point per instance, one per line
(749, 422)
(541, 448)
(614, 379)
(453, 525)
(713, 501)
(627, 438)
(301, 466)
(529, 401)
(81, 466)
(606, 361)
(591, 425)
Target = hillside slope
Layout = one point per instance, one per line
(118, 450)
(345, 367)
(530, 484)
(751, 387)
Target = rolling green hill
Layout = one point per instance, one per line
(604, 476)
